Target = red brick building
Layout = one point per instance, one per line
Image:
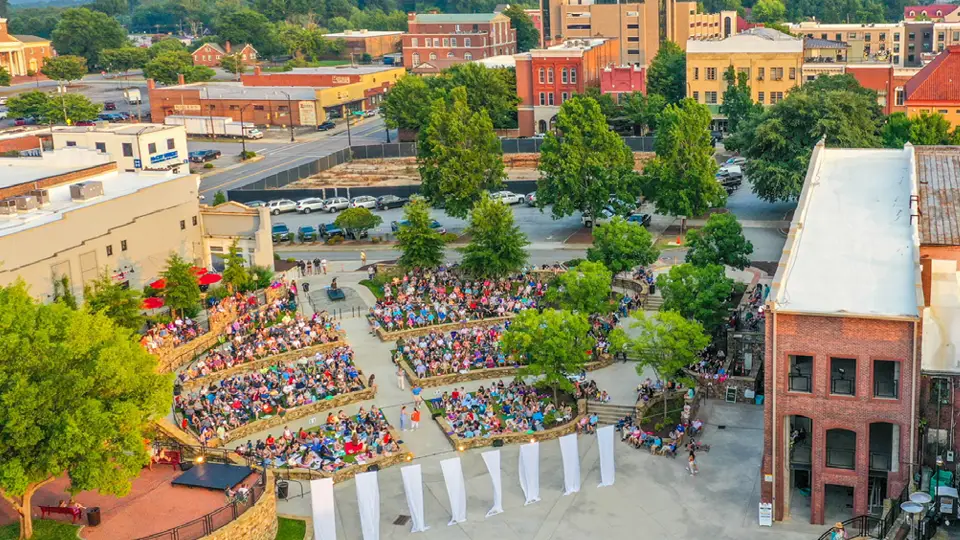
(457, 38)
(842, 340)
(619, 80)
(548, 77)
(887, 80)
(210, 54)
(376, 43)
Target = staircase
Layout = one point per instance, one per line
(610, 413)
(652, 302)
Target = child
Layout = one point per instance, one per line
(415, 418)
(403, 418)
(692, 464)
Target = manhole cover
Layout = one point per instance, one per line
(401, 520)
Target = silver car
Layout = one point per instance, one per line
(281, 205)
(507, 197)
(310, 204)
(364, 201)
(334, 204)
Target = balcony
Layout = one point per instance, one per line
(841, 458)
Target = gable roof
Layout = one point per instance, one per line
(248, 46)
(937, 81)
(25, 38)
(930, 10)
(213, 46)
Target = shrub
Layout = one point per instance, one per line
(334, 240)
(375, 239)
(291, 260)
(573, 262)
(208, 165)
(449, 237)
(248, 154)
(262, 276)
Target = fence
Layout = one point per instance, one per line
(860, 526)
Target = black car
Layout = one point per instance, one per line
(201, 156)
(326, 126)
(715, 137)
(391, 201)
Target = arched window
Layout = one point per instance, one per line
(573, 75)
(541, 73)
(542, 126)
(939, 13)
(467, 56)
(451, 55)
(433, 56)
(416, 59)
(913, 13)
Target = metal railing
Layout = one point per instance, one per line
(880, 461)
(860, 526)
(841, 458)
(842, 387)
(885, 389)
(800, 383)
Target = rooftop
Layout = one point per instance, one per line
(941, 320)
(938, 173)
(363, 34)
(930, 10)
(235, 90)
(499, 61)
(817, 43)
(852, 248)
(937, 81)
(341, 70)
(119, 129)
(437, 18)
(754, 40)
(26, 38)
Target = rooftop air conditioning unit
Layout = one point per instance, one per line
(8, 207)
(42, 195)
(85, 191)
(25, 203)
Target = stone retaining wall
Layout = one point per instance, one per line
(414, 332)
(481, 374)
(718, 390)
(512, 438)
(348, 472)
(257, 523)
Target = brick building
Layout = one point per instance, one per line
(21, 54)
(888, 80)
(935, 88)
(210, 54)
(842, 326)
(619, 80)
(457, 38)
(376, 43)
(548, 77)
(268, 105)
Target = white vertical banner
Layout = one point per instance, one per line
(324, 513)
(530, 472)
(605, 444)
(456, 489)
(492, 460)
(571, 463)
(368, 499)
(413, 489)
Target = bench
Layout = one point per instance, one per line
(75, 513)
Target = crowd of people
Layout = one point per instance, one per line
(424, 298)
(589, 390)
(341, 441)
(458, 351)
(500, 409)
(258, 334)
(246, 397)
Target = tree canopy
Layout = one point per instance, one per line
(738, 102)
(667, 74)
(622, 245)
(357, 220)
(584, 288)
(124, 59)
(421, 246)
(235, 272)
(233, 63)
(65, 68)
(768, 11)
(643, 111)
(121, 304)
(528, 37)
(701, 293)
(721, 242)
(49, 109)
(182, 291)
(408, 103)
(5, 77)
(166, 67)
(496, 245)
(85, 33)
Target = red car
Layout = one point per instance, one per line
(85, 123)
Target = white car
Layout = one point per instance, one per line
(364, 201)
(736, 160)
(507, 197)
(532, 198)
(311, 204)
(281, 205)
(3, 113)
(333, 204)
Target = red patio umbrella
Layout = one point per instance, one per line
(210, 279)
(159, 284)
(153, 302)
(198, 270)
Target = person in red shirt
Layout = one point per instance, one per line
(415, 419)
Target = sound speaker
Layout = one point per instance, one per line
(186, 465)
(497, 443)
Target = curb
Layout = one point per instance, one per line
(290, 248)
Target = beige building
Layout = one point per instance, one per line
(772, 61)
(250, 227)
(132, 146)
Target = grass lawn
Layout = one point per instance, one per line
(291, 529)
(375, 286)
(44, 529)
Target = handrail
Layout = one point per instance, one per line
(868, 526)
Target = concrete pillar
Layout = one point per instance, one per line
(895, 448)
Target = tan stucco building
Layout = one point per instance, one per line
(231, 221)
(21, 54)
(132, 146)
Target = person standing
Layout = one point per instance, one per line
(363, 258)
(415, 418)
(403, 418)
(401, 378)
(323, 264)
(692, 464)
(417, 398)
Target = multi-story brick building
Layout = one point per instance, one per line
(210, 54)
(935, 88)
(620, 80)
(842, 339)
(22, 54)
(376, 43)
(889, 82)
(548, 77)
(457, 38)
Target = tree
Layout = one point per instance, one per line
(32, 104)
(408, 104)
(182, 291)
(78, 396)
(622, 245)
(496, 245)
(720, 242)
(610, 109)
(5, 77)
(165, 45)
(65, 68)
(590, 163)
(120, 304)
(124, 59)
(421, 245)
(167, 66)
(247, 26)
(492, 89)
(666, 342)
(768, 11)
(701, 293)
(63, 292)
(667, 74)
(235, 272)
(551, 345)
(357, 220)
(528, 37)
(459, 155)
(219, 198)
(114, 8)
(82, 32)
(78, 108)
(896, 131)
(737, 101)
(681, 179)
(584, 289)
(931, 129)
(233, 63)
(643, 111)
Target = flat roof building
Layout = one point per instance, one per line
(132, 146)
(376, 43)
(442, 39)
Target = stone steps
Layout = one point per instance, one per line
(609, 413)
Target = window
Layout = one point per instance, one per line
(542, 75)
(745, 71)
(152, 148)
(573, 75)
(800, 377)
(760, 71)
(896, 36)
(446, 42)
(550, 98)
(633, 51)
(839, 37)
(942, 111)
(896, 47)
(71, 143)
(911, 36)
(451, 54)
(123, 245)
(453, 42)
(550, 76)
(776, 74)
(563, 75)
(109, 251)
(564, 96)
(843, 376)
(467, 56)
(543, 98)
(433, 56)
(171, 144)
(183, 225)
(883, 37)
(101, 147)
(776, 97)
(696, 97)
(466, 42)
(896, 59)
(711, 97)
(258, 107)
(886, 379)
(127, 149)
(956, 36)
(711, 74)
(414, 42)
(416, 59)
(633, 38)
(633, 26)
(793, 74)
(852, 35)
(910, 58)
(866, 37)
(194, 221)
(696, 74)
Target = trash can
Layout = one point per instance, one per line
(283, 488)
(93, 516)
(758, 399)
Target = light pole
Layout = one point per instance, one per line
(243, 135)
(289, 113)
(349, 114)
(213, 129)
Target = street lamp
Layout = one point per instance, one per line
(289, 113)
(243, 135)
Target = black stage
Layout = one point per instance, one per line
(213, 476)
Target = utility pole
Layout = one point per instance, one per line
(349, 114)
(243, 135)
(289, 113)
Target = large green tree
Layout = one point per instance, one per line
(721, 242)
(459, 155)
(32, 104)
(247, 26)
(551, 344)
(356, 221)
(667, 74)
(124, 59)
(85, 33)
(932, 129)
(738, 102)
(166, 45)
(586, 165)
(701, 293)
(768, 11)
(643, 111)
(667, 342)
(78, 397)
(121, 304)
(896, 131)
(167, 66)
(408, 104)
(78, 108)
(421, 246)
(182, 291)
(528, 37)
(496, 245)
(490, 89)
(235, 272)
(681, 179)
(65, 68)
(622, 245)
(584, 288)
(5, 77)
(233, 63)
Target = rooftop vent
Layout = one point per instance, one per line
(8, 207)
(42, 195)
(25, 203)
(85, 191)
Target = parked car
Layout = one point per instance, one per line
(642, 219)
(371, 113)
(328, 230)
(3, 100)
(202, 156)
(326, 126)
(307, 233)
(334, 204)
(364, 201)
(255, 204)
(310, 204)
(605, 215)
(109, 106)
(386, 202)
(281, 205)
(80, 123)
(3, 113)
(531, 198)
(715, 137)
(434, 224)
(507, 197)
(735, 160)
(28, 121)
(281, 233)
(110, 117)
(730, 173)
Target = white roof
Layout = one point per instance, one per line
(754, 40)
(235, 90)
(363, 33)
(852, 248)
(342, 70)
(499, 61)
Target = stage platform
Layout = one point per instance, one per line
(213, 476)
